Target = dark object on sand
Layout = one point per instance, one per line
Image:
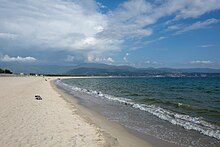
(38, 97)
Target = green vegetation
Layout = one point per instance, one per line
(6, 71)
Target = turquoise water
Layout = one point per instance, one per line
(189, 103)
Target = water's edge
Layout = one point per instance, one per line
(111, 129)
(185, 121)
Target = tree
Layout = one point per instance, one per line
(6, 71)
(1, 70)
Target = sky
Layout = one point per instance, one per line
(139, 33)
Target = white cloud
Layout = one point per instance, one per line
(7, 58)
(175, 27)
(109, 59)
(92, 58)
(195, 8)
(125, 58)
(162, 38)
(144, 13)
(201, 62)
(206, 45)
(53, 24)
(150, 62)
(79, 26)
(7, 36)
(198, 25)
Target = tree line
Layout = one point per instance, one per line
(5, 71)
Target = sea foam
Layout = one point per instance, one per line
(185, 121)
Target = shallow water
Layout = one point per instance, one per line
(180, 110)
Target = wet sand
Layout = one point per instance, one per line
(54, 120)
(124, 136)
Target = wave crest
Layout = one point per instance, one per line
(185, 121)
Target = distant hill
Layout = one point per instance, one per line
(96, 69)
(93, 69)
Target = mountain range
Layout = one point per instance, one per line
(96, 69)
(89, 69)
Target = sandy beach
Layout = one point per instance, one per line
(52, 121)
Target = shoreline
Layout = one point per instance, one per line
(124, 136)
(26, 121)
(112, 131)
(58, 119)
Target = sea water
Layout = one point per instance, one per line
(185, 111)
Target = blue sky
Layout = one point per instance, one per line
(140, 33)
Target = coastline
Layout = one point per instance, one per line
(51, 121)
(123, 136)
(56, 120)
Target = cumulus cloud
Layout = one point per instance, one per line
(79, 26)
(97, 59)
(7, 58)
(53, 24)
(109, 59)
(201, 62)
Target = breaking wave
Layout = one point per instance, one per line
(185, 121)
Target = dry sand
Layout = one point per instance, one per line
(52, 121)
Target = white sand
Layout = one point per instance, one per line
(26, 121)
(54, 121)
